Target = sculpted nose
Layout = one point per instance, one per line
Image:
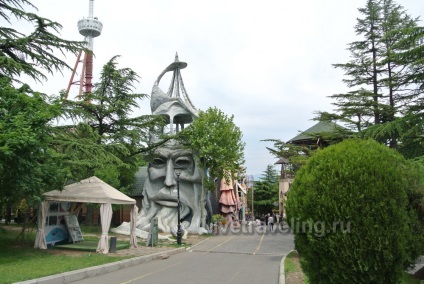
(169, 177)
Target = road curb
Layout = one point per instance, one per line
(76, 275)
(282, 278)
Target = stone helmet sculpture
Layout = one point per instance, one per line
(175, 105)
(159, 191)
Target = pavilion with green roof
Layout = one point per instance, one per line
(318, 135)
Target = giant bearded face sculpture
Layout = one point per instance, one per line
(160, 191)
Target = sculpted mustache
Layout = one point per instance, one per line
(167, 194)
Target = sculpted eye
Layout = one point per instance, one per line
(182, 162)
(158, 162)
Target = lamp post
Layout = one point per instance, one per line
(253, 213)
(179, 234)
(250, 184)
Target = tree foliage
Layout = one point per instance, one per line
(379, 90)
(410, 51)
(216, 141)
(409, 126)
(84, 155)
(103, 138)
(297, 155)
(36, 52)
(28, 166)
(108, 140)
(349, 206)
(266, 191)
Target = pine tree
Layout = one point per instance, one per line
(360, 105)
(397, 93)
(266, 191)
(107, 136)
(35, 53)
(380, 90)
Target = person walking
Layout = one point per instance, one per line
(271, 222)
(262, 219)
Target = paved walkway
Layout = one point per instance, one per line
(231, 257)
(262, 247)
(235, 242)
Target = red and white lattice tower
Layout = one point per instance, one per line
(90, 28)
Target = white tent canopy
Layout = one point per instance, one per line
(90, 190)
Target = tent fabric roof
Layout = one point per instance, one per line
(90, 190)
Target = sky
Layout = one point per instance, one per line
(268, 63)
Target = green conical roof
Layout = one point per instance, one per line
(320, 127)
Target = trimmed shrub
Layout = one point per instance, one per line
(415, 209)
(348, 210)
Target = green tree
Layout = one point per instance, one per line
(84, 156)
(266, 191)
(379, 91)
(297, 155)
(28, 166)
(350, 212)
(108, 141)
(216, 141)
(362, 104)
(409, 51)
(386, 80)
(36, 52)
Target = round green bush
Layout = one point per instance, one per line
(348, 210)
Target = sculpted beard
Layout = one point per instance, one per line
(163, 204)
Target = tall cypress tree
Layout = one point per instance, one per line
(409, 52)
(360, 105)
(396, 92)
(266, 191)
(379, 89)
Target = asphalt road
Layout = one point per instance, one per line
(231, 257)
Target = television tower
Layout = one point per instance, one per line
(90, 28)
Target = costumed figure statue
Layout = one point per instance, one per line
(160, 188)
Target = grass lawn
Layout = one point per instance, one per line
(291, 263)
(294, 273)
(293, 270)
(19, 261)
